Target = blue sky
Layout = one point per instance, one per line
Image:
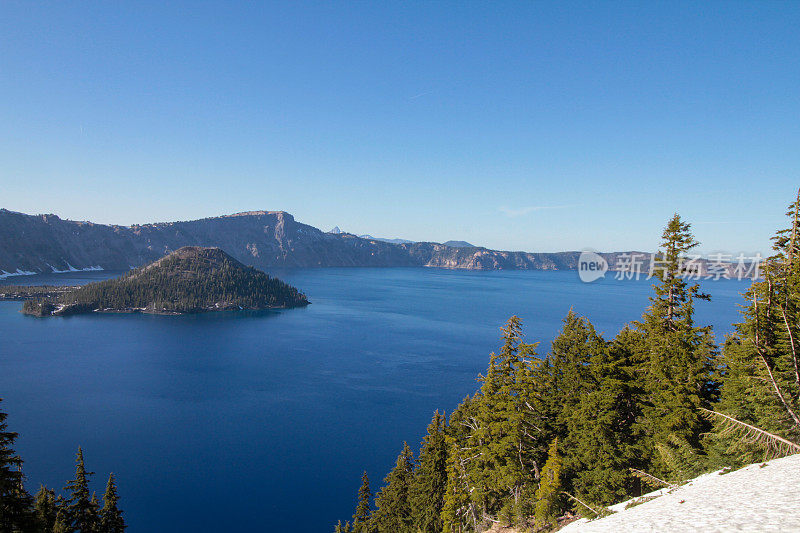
(537, 126)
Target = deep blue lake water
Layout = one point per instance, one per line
(265, 421)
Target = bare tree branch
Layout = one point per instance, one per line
(766, 365)
(794, 352)
(592, 509)
(754, 434)
(776, 387)
(641, 474)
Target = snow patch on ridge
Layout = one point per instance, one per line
(73, 269)
(19, 272)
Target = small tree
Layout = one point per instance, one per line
(342, 528)
(111, 520)
(392, 508)
(426, 494)
(548, 493)
(81, 511)
(46, 508)
(457, 509)
(15, 502)
(62, 522)
(361, 518)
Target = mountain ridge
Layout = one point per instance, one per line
(263, 239)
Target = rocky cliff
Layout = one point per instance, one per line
(263, 239)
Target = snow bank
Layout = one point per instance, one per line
(755, 498)
(73, 269)
(19, 272)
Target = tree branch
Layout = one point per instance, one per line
(756, 434)
(794, 352)
(776, 387)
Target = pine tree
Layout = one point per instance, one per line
(458, 511)
(15, 502)
(361, 518)
(46, 508)
(548, 495)
(81, 511)
(392, 508)
(342, 528)
(680, 361)
(571, 358)
(111, 520)
(541, 398)
(762, 378)
(563, 383)
(602, 442)
(95, 506)
(502, 467)
(62, 522)
(426, 494)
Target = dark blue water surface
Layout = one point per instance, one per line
(265, 421)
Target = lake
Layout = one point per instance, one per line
(265, 421)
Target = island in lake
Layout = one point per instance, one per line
(190, 280)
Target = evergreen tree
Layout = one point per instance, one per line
(502, 465)
(541, 395)
(426, 495)
(95, 506)
(762, 378)
(62, 522)
(111, 520)
(571, 359)
(458, 510)
(81, 510)
(680, 361)
(46, 508)
(342, 528)
(15, 502)
(392, 508)
(602, 442)
(361, 518)
(549, 492)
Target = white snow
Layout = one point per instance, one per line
(73, 269)
(19, 272)
(754, 498)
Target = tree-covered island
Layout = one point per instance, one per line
(189, 280)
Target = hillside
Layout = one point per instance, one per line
(262, 239)
(189, 280)
(759, 497)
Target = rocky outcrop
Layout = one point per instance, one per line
(263, 239)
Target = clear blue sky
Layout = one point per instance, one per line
(539, 126)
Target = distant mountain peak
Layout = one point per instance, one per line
(259, 214)
(459, 244)
(396, 240)
(336, 230)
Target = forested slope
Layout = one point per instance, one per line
(595, 421)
